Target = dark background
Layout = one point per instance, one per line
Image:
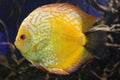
(12, 12)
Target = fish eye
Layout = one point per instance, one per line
(22, 37)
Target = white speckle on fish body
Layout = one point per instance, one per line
(76, 22)
(35, 18)
(51, 62)
(71, 16)
(43, 17)
(77, 28)
(44, 28)
(28, 23)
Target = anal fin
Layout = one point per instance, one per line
(58, 71)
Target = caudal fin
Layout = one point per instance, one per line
(96, 42)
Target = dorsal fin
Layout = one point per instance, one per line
(88, 21)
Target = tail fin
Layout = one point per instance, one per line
(96, 42)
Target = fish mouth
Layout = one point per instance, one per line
(16, 44)
(22, 48)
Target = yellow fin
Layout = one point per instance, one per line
(88, 21)
(58, 71)
(72, 62)
(84, 57)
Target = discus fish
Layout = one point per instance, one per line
(52, 37)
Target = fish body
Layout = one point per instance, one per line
(52, 37)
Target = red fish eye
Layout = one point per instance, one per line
(22, 37)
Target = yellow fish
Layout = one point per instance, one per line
(52, 37)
